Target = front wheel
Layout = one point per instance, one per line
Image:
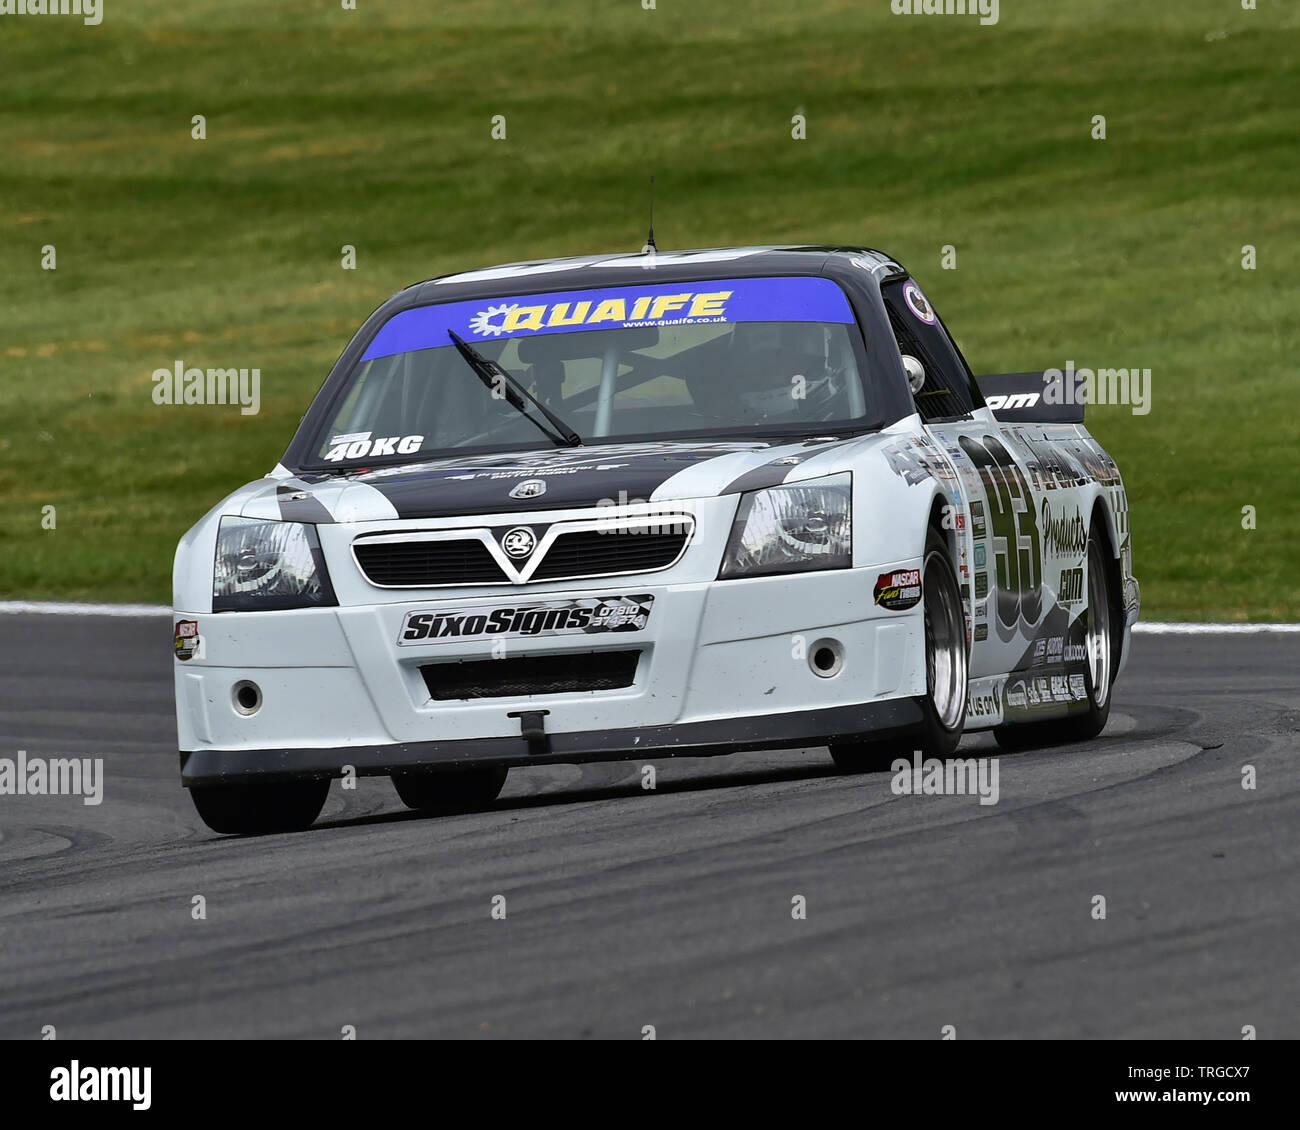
(450, 790)
(946, 675)
(256, 809)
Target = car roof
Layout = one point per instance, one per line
(617, 269)
(849, 267)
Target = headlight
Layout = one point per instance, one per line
(268, 565)
(788, 529)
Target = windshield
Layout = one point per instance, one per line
(699, 359)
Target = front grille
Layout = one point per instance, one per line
(416, 562)
(411, 564)
(588, 553)
(531, 674)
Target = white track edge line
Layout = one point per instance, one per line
(57, 608)
(1157, 629)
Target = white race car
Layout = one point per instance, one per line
(637, 507)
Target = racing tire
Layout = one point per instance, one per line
(259, 809)
(947, 671)
(449, 791)
(1103, 633)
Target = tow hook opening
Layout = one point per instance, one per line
(826, 658)
(247, 697)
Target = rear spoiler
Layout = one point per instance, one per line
(1032, 398)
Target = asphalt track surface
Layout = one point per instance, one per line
(670, 908)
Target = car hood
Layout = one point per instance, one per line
(552, 479)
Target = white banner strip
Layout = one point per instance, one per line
(1158, 629)
(55, 608)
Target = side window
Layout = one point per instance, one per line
(948, 389)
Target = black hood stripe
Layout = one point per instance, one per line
(297, 504)
(776, 472)
(574, 479)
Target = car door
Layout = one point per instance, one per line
(995, 514)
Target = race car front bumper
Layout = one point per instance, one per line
(722, 666)
(689, 739)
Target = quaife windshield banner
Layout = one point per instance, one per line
(623, 307)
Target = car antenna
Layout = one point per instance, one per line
(650, 248)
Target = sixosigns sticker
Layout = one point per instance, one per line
(526, 621)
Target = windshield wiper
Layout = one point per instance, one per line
(515, 393)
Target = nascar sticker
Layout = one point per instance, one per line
(187, 641)
(527, 621)
(796, 299)
(899, 590)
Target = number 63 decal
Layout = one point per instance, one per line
(1017, 552)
